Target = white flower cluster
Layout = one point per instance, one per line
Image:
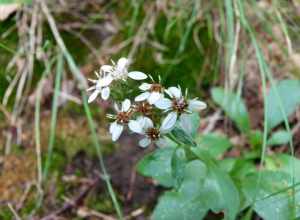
(153, 113)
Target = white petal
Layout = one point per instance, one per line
(154, 97)
(116, 107)
(126, 105)
(105, 93)
(135, 126)
(144, 142)
(169, 122)
(91, 88)
(142, 96)
(116, 131)
(147, 123)
(122, 64)
(196, 105)
(93, 96)
(106, 68)
(136, 75)
(105, 81)
(163, 103)
(161, 142)
(145, 86)
(175, 92)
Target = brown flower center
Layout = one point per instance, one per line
(144, 107)
(123, 117)
(156, 87)
(179, 105)
(153, 133)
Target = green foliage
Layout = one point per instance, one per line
(233, 106)
(215, 144)
(279, 137)
(289, 93)
(15, 1)
(158, 166)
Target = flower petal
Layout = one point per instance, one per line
(137, 75)
(154, 97)
(93, 96)
(106, 68)
(122, 64)
(147, 123)
(174, 92)
(105, 93)
(136, 126)
(145, 86)
(126, 105)
(105, 81)
(163, 103)
(144, 142)
(196, 105)
(116, 131)
(169, 122)
(142, 96)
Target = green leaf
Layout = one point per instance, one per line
(233, 106)
(285, 163)
(215, 144)
(289, 93)
(186, 203)
(255, 139)
(221, 193)
(279, 137)
(273, 196)
(158, 166)
(190, 123)
(178, 163)
(182, 136)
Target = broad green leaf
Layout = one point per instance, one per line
(186, 203)
(285, 163)
(221, 193)
(190, 123)
(233, 106)
(178, 163)
(182, 136)
(279, 137)
(289, 93)
(215, 144)
(158, 166)
(272, 198)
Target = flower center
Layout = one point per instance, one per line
(179, 105)
(156, 87)
(153, 133)
(144, 107)
(123, 117)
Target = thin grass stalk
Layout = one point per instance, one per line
(54, 109)
(100, 156)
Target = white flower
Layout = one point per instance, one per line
(178, 106)
(122, 118)
(145, 126)
(101, 87)
(152, 93)
(120, 70)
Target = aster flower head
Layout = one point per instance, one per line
(178, 105)
(101, 87)
(145, 127)
(120, 119)
(152, 92)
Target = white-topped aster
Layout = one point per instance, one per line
(121, 119)
(151, 92)
(178, 106)
(144, 126)
(101, 87)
